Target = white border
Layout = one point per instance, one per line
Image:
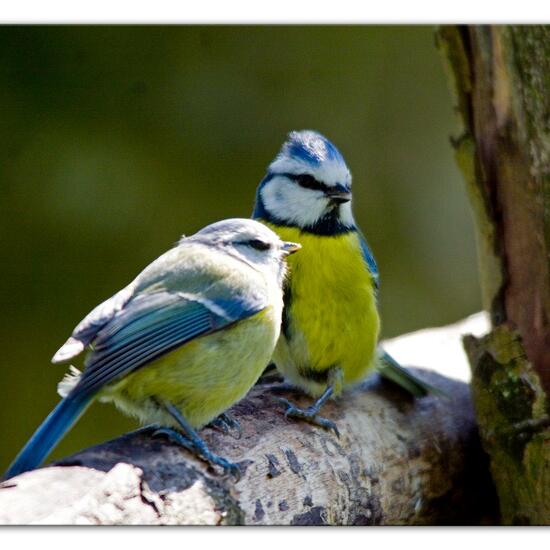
(272, 538)
(280, 11)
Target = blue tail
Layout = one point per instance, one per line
(48, 435)
(391, 370)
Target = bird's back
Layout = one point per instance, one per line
(195, 267)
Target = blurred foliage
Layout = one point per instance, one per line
(115, 140)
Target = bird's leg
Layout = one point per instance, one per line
(191, 441)
(270, 376)
(311, 414)
(280, 387)
(225, 422)
(176, 437)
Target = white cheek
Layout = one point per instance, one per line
(271, 265)
(346, 215)
(277, 270)
(287, 201)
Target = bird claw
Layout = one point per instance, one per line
(229, 468)
(199, 449)
(225, 422)
(309, 415)
(219, 424)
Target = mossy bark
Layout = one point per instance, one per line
(501, 82)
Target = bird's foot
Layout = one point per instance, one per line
(199, 448)
(310, 415)
(224, 423)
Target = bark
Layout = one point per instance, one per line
(501, 80)
(397, 461)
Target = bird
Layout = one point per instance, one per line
(185, 340)
(331, 321)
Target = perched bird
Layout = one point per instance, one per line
(330, 321)
(185, 340)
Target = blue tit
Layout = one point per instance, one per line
(185, 340)
(331, 322)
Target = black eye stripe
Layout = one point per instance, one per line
(259, 244)
(307, 181)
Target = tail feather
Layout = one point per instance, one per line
(48, 435)
(390, 369)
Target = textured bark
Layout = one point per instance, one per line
(501, 79)
(398, 461)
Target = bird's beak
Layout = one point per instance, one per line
(290, 248)
(339, 194)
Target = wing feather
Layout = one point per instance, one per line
(150, 326)
(86, 330)
(369, 260)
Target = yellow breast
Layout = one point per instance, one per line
(331, 314)
(202, 378)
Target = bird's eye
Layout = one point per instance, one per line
(309, 182)
(259, 244)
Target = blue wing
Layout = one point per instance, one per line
(130, 333)
(369, 260)
(151, 325)
(87, 329)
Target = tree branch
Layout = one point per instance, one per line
(398, 461)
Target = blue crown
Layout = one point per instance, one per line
(310, 147)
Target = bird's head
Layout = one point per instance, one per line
(249, 241)
(308, 185)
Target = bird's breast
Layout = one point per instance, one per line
(330, 317)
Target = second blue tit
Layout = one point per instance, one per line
(330, 321)
(185, 340)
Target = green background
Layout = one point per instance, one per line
(116, 140)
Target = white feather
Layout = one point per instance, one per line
(70, 380)
(287, 201)
(71, 348)
(346, 215)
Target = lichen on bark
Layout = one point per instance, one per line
(501, 83)
(512, 412)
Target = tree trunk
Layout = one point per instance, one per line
(397, 461)
(501, 80)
